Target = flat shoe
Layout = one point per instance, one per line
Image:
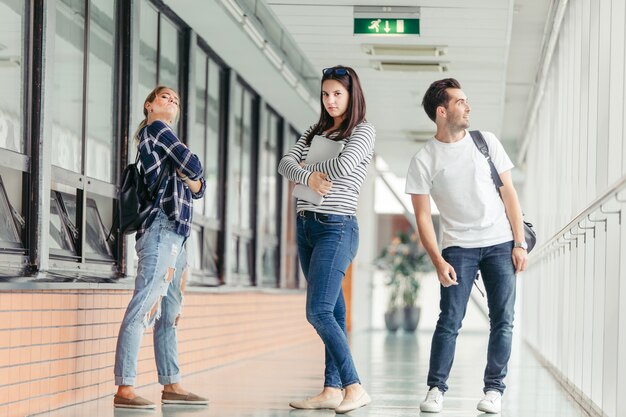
(349, 405)
(137, 402)
(187, 399)
(310, 404)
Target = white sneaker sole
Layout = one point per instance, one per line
(487, 409)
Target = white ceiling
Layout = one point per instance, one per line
(493, 47)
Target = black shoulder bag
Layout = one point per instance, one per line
(481, 144)
(136, 199)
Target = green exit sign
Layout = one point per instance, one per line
(386, 26)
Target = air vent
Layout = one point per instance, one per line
(411, 66)
(404, 50)
(420, 135)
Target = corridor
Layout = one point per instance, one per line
(393, 368)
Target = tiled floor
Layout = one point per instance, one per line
(393, 368)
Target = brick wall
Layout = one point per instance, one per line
(57, 347)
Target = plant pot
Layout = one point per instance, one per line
(411, 318)
(393, 319)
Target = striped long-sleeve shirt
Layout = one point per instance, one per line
(347, 171)
(158, 143)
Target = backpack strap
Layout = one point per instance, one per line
(481, 144)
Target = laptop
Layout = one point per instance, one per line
(321, 149)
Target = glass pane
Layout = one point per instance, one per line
(100, 136)
(11, 75)
(235, 151)
(194, 249)
(148, 46)
(9, 233)
(269, 177)
(169, 59)
(209, 258)
(96, 234)
(147, 62)
(270, 267)
(197, 137)
(246, 161)
(67, 87)
(244, 257)
(211, 160)
(59, 234)
(234, 260)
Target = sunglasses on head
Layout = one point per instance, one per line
(327, 72)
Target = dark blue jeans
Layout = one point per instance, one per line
(498, 273)
(327, 243)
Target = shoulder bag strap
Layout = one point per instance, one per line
(481, 144)
(154, 189)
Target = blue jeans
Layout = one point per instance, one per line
(327, 243)
(157, 300)
(498, 273)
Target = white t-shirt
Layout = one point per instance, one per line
(458, 178)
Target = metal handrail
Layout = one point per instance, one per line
(595, 204)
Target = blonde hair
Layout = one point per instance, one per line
(151, 97)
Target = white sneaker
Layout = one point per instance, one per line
(491, 403)
(433, 403)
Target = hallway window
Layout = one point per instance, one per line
(83, 142)
(14, 154)
(11, 59)
(269, 208)
(12, 224)
(159, 61)
(101, 144)
(67, 84)
(206, 140)
(243, 156)
(292, 271)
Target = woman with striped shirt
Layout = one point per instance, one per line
(328, 234)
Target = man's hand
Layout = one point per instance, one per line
(520, 259)
(318, 182)
(446, 274)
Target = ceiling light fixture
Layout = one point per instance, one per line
(253, 32)
(304, 93)
(272, 55)
(289, 76)
(420, 135)
(234, 9)
(404, 50)
(9, 61)
(411, 66)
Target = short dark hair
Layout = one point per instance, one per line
(355, 113)
(436, 96)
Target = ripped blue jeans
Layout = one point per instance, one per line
(157, 300)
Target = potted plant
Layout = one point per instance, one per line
(405, 263)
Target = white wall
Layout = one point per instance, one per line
(574, 305)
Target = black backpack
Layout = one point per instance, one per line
(136, 199)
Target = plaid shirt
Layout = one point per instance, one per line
(158, 144)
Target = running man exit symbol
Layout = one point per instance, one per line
(374, 25)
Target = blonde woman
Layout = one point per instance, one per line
(160, 246)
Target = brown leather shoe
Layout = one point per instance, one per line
(137, 402)
(187, 399)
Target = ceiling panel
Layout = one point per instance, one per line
(476, 34)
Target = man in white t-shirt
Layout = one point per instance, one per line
(481, 231)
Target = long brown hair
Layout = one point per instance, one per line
(151, 97)
(356, 104)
